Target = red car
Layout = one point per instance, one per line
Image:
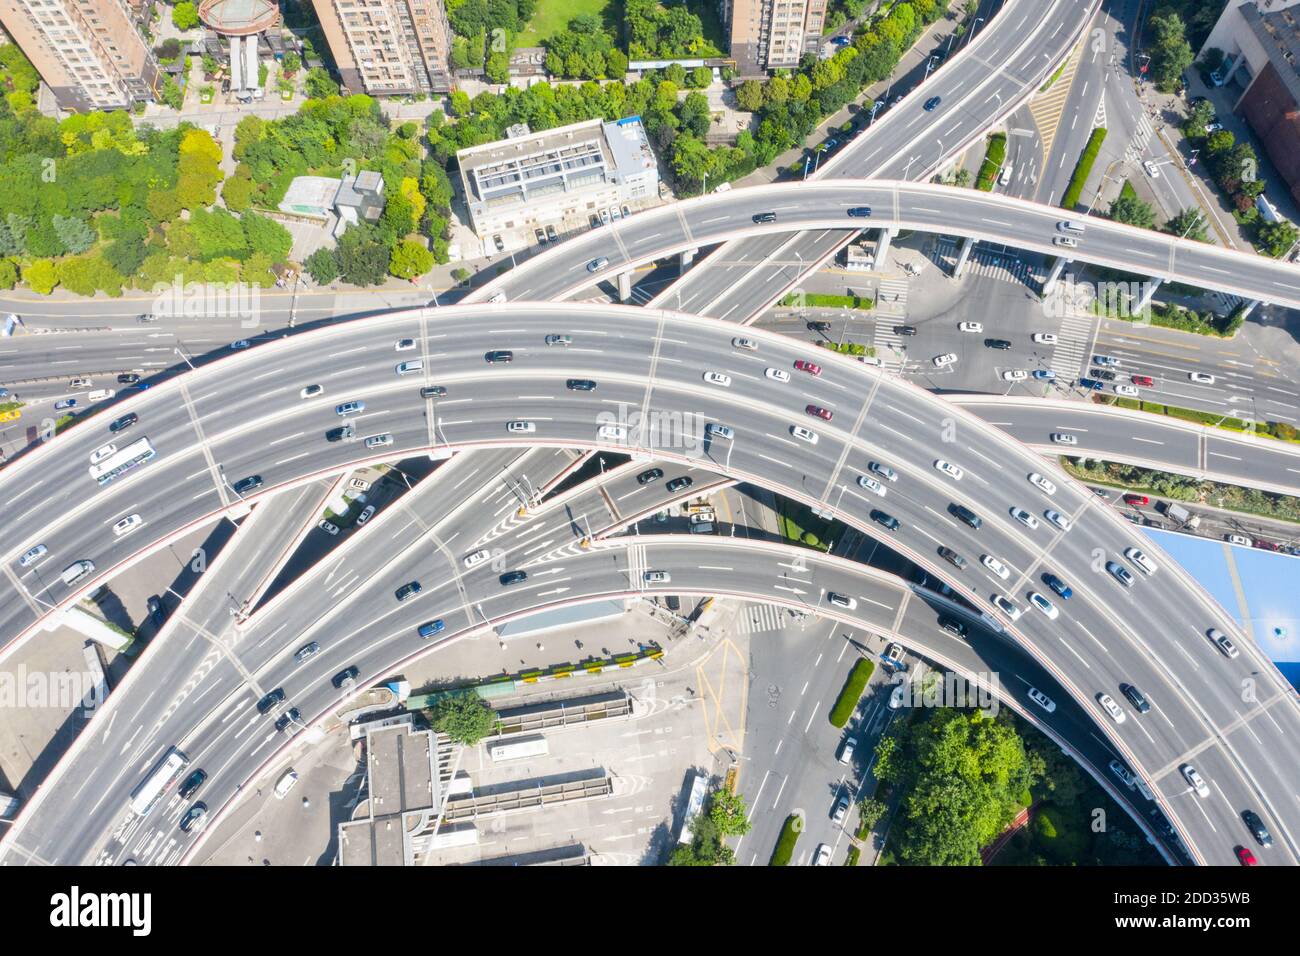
(1137, 500)
(823, 413)
(1146, 381)
(1265, 545)
(808, 367)
(1245, 856)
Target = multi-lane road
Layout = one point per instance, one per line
(244, 416)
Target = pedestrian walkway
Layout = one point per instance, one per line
(1138, 145)
(991, 261)
(759, 618)
(891, 305)
(1073, 342)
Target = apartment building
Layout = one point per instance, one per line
(389, 47)
(90, 53)
(768, 35)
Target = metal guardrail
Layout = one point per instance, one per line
(532, 798)
(564, 715)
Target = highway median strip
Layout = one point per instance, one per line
(1084, 167)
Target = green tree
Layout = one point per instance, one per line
(74, 232)
(870, 812)
(322, 266)
(1130, 209)
(40, 276)
(237, 193)
(266, 236)
(1277, 238)
(727, 811)
(700, 77)
(497, 67)
(185, 16)
(8, 274)
(1198, 117)
(319, 85)
(749, 96)
(172, 95)
(292, 62)
(464, 717)
(1171, 54)
(410, 259)
(218, 234)
(362, 257)
(1189, 224)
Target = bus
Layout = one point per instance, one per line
(531, 746)
(136, 453)
(694, 804)
(156, 784)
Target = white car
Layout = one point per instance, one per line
(406, 368)
(1058, 519)
(612, 432)
(379, 441)
(104, 451)
(1006, 607)
(846, 751)
(1127, 390)
(1025, 518)
(749, 345)
(476, 558)
(1044, 605)
(823, 855)
(777, 374)
(521, 427)
(1140, 560)
(1108, 704)
(33, 555)
(657, 577)
(1201, 377)
(1015, 375)
(1041, 699)
(1152, 169)
(360, 484)
(898, 697)
(717, 378)
(804, 434)
(127, 525)
(365, 514)
(1195, 779)
(404, 345)
(970, 327)
(1061, 438)
(842, 600)
(944, 360)
(949, 469)
(871, 485)
(996, 566)
(311, 391)
(1044, 338)
(1043, 485)
(1240, 539)
(329, 527)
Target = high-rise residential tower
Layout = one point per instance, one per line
(389, 47)
(770, 34)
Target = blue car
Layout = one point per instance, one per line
(65, 403)
(1057, 585)
(1092, 383)
(430, 628)
(1045, 374)
(931, 103)
(840, 41)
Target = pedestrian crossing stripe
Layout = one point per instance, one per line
(759, 618)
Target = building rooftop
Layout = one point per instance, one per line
(310, 195)
(403, 795)
(239, 17)
(1279, 34)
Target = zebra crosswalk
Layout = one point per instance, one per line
(1072, 342)
(891, 305)
(1141, 137)
(760, 618)
(984, 261)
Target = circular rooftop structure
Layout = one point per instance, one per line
(239, 18)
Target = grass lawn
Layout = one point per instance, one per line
(552, 16)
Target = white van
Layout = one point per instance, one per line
(99, 394)
(1068, 225)
(77, 570)
(498, 296)
(1005, 177)
(285, 783)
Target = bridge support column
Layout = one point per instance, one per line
(1148, 291)
(882, 247)
(1052, 277)
(967, 245)
(624, 286)
(684, 259)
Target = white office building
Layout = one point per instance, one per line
(558, 178)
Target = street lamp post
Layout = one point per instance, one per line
(178, 351)
(928, 66)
